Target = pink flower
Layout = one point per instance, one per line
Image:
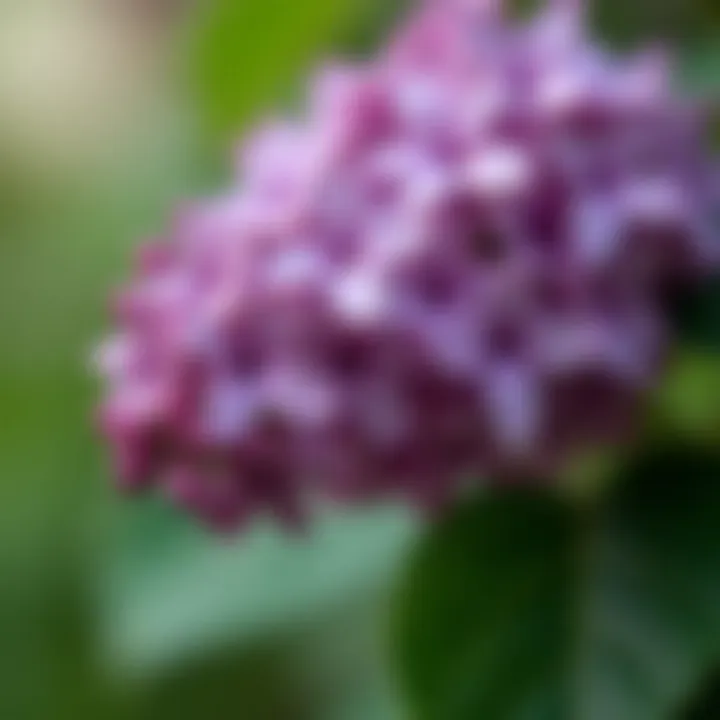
(453, 268)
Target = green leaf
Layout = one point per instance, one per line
(248, 58)
(248, 53)
(524, 607)
(174, 591)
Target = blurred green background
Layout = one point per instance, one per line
(111, 111)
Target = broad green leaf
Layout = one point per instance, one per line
(342, 665)
(175, 591)
(333, 671)
(524, 607)
(248, 53)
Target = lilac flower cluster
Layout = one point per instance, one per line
(453, 268)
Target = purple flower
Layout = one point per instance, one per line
(453, 268)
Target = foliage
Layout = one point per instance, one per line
(500, 599)
(525, 606)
